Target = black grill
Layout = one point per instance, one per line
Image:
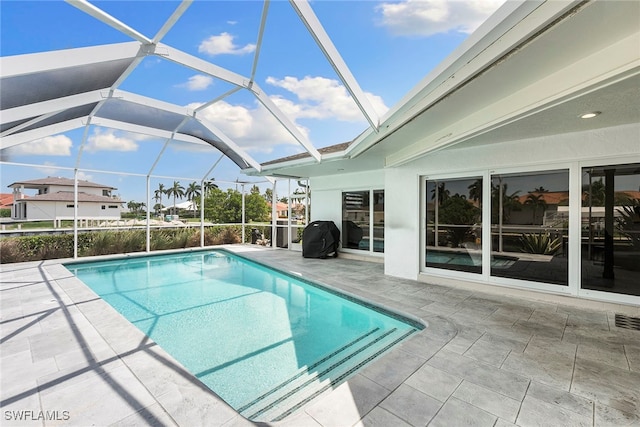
(628, 322)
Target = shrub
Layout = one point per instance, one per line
(540, 243)
(34, 248)
(107, 242)
(5, 213)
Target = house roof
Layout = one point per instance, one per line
(529, 72)
(549, 197)
(6, 200)
(67, 196)
(324, 150)
(59, 181)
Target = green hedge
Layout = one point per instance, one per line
(54, 246)
(5, 213)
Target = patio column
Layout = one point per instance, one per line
(243, 212)
(289, 218)
(75, 213)
(274, 215)
(148, 233)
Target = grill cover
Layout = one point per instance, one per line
(320, 239)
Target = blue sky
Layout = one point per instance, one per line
(388, 46)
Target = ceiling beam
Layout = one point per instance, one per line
(33, 63)
(323, 40)
(51, 106)
(512, 23)
(263, 23)
(104, 17)
(180, 10)
(230, 144)
(286, 122)
(39, 133)
(200, 65)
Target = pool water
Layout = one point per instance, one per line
(265, 341)
(467, 259)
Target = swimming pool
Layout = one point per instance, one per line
(265, 341)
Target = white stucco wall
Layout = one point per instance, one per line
(326, 193)
(402, 184)
(89, 190)
(43, 210)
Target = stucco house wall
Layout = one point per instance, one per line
(43, 210)
(403, 217)
(326, 192)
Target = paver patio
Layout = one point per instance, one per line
(485, 359)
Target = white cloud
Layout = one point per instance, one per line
(253, 129)
(49, 169)
(223, 44)
(323, 98)
(83, 176)
(107, 140)
(428, 17)
(198, 82)
(57, 145)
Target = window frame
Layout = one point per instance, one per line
(371, 191)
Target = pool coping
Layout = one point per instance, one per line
(175, 389)
(395, 389)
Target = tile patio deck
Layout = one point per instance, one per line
(486, 359)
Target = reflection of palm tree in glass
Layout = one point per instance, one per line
(475, 190)
(536, 201)
(594, 194)
(510, 202)
(441, 192)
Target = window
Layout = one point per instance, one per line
(106, 193)
(529, 226)
(71, 206)
(610, 236)
(103, 207)
(363, 220)
(113, 206)
(454, 224)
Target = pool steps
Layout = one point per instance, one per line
(328, 372)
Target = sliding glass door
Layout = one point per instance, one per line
(610, 232)
(454, 224)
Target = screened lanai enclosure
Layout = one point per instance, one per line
(100, 116)
(509, 156)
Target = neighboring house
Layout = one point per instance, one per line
(55, 200)
(282, 209)
(6, 200)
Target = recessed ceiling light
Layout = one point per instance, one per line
(590, 115)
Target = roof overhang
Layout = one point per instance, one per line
(529, 71)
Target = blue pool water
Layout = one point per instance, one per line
(264, 341)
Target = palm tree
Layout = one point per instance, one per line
(193, 191)
(176, 190)
(208, 185)
(536, 200)
(442, 192)
(158, 194)
(157, 197)
(475, 190)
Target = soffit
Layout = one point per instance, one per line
(589, 30)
